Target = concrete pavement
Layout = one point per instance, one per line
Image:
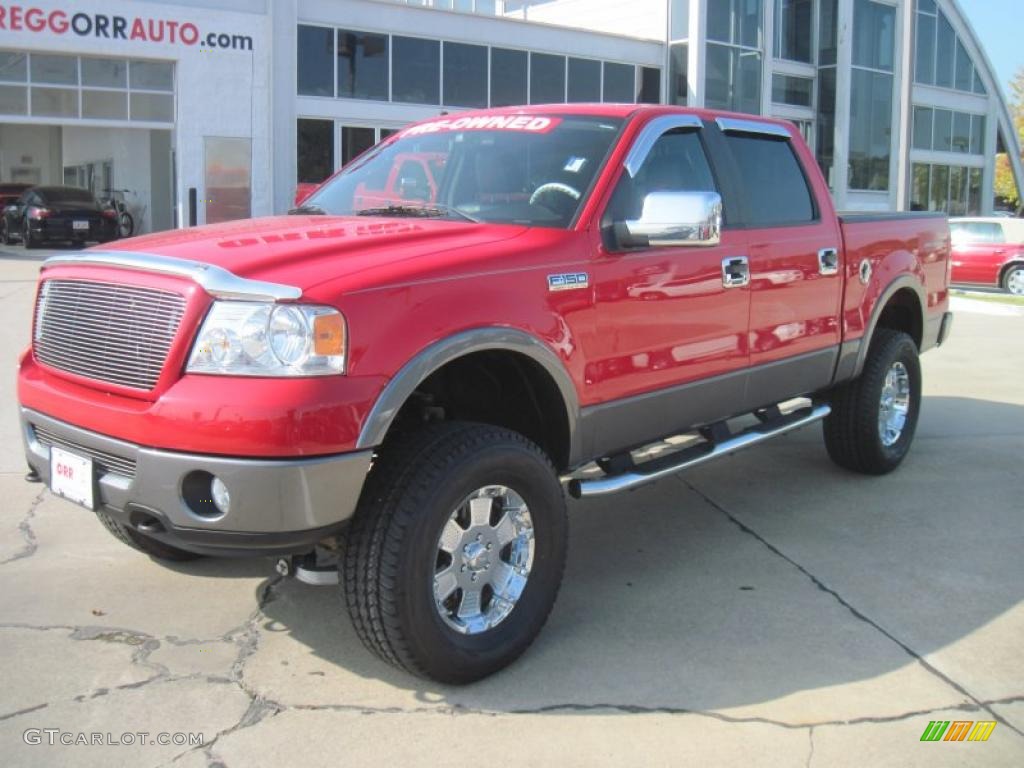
(768, 609)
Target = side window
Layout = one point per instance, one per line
(774, 186)
(997, 234)
(676, 163)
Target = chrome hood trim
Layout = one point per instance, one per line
(216, 281)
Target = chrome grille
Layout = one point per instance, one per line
(104, 462)
(115, 333)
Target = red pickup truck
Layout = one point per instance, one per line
(410, 389)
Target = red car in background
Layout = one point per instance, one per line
(990, 252)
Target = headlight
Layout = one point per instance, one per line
(247, 338)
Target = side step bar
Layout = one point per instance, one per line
(655, 469)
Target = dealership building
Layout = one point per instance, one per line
(208, 110)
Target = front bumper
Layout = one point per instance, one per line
(278, 506)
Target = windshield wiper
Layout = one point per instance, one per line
(437, 209)
(308, 210)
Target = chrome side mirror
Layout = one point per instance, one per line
(675, 219)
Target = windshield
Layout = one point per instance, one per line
(517, 169)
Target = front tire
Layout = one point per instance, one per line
(1013, 280)
(5, 232)
(874, 417)
(456, 551)
(155, 549)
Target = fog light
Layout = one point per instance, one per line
(221, 497)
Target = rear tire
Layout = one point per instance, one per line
(397, 551)
(26, 237)
(5, 234)
(874, 417)
(152, 547)
(1013, 280)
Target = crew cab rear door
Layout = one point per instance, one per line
(795, 255)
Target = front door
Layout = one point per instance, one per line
(667, 327)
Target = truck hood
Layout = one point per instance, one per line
(305, 251)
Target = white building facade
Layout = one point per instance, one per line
(209, 110)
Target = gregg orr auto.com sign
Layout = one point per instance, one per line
(18, 18)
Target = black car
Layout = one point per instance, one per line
(44, 214)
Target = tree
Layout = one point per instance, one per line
(1005, 186)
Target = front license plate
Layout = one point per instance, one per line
(71, 476)
(80, 225)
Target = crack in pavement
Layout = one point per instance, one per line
(25, 528)
(928, 667)
(810, 741)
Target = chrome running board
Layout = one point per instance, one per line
(655, 469)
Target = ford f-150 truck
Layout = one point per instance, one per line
(411, 388)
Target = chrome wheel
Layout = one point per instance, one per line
(894, 405)
(1015, 282)
(484, 557)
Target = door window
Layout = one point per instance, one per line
(976, 233)
(676, 163)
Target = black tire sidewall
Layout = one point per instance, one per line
(899, 349)
(445, 653)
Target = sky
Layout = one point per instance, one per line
(998, 25)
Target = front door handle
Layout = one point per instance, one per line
(828, 261)
(735, 271)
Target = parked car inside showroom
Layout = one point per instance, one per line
(49, 214)
(989, 252)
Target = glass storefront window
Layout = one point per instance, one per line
(943, 141)
(793, 21)
(354, 141)
(828, 32)
(619, 83)
(362, 61)
(871, 132)
(584, 80)
(508, 77)
(735, 21)
(924, 55)
(945, 59)
(919, 185)
(679, 23)
(152, 107)
(957, 191)
(974, 192)
(465, 75)
(416, 70)
(733, 79)
(678, 85)
(874, 35)
(939, 198)
(314, 150)
(151, 75)
(13, 67)
(227, 178)
(977, 135)
(55, 102)
(826, 122)
(650, 85)
(315, 55)
(53, 69)
(105, 73)
(547, 78)
(923, 117)
(788, 89)
(105, 105)
(961, 132)
(964, 69)
(13, 100)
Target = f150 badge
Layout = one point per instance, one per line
(568, 281)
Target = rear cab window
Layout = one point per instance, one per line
(774, 189)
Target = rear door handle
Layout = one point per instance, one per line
(828, 261)
(735, 271)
